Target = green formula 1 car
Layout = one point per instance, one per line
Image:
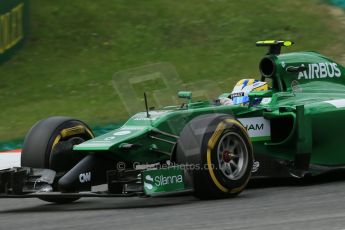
(289, 123)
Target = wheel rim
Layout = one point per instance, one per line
(232, 156)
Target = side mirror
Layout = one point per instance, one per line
(186, 95)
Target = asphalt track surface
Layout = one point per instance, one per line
(266, 204)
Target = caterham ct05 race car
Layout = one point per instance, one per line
(289, 123)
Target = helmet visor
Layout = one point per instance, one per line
(240, 100)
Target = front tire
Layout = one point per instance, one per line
(220, 149)
(49, 145)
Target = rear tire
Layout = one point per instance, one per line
(219, 149)
(49, 144)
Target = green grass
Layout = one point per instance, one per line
(75, 47)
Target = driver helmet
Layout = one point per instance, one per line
(240, 93)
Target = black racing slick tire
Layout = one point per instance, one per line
(218, 155)
(49, 143)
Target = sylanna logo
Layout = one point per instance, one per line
(162, 180)
(320, 70)
(148, 182)
(165, 180)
